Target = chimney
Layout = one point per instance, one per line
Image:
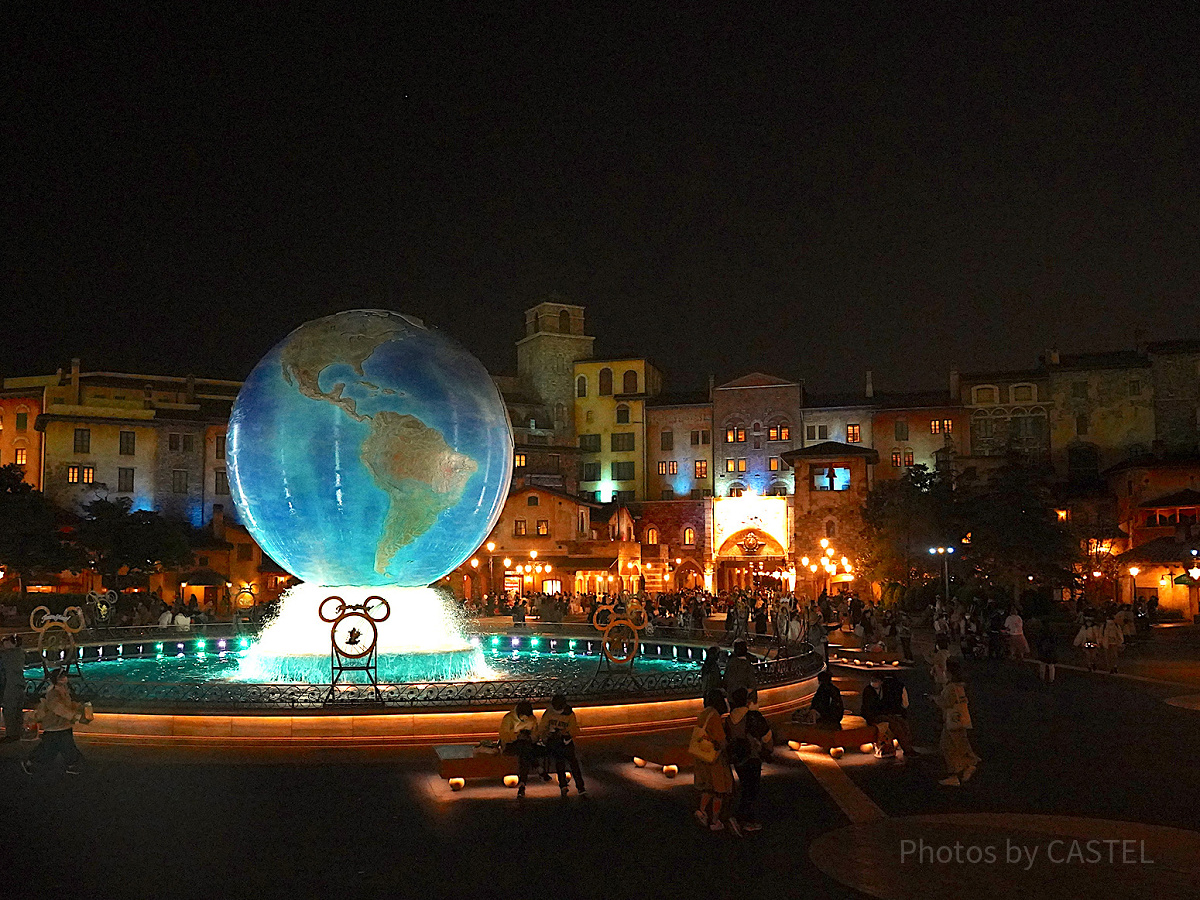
(218, 522)
(191, 389)
(712, 386)
(870, 385)
(954, 385)
(75, 381)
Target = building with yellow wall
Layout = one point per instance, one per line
(610, 420)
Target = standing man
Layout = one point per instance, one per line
(12, 667)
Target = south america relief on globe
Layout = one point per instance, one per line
(368, 450)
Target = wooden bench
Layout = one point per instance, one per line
(663, 755)
(458, 762)
(855, 734)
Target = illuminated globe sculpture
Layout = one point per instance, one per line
(368, 453)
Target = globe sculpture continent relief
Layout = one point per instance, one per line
(367, 449)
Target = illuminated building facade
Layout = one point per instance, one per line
(755, 421)
(610, 422)
(679, 447)
(20, 441)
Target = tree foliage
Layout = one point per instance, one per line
(31, 537)
(120, 539)
(902, 520)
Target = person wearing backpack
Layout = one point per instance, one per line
(750, 742)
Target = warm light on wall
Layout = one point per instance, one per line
(474, 564)
(491, 546)
(1133, 570)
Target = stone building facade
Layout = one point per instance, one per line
(756, 419)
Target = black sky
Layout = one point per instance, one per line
(802, 190)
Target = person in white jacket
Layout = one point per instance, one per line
(1088, 640)
(1112, 640)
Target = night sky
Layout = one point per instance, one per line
(724, 188)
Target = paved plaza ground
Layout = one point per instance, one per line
(163, 824)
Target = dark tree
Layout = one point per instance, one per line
(903, 519)
(32, 538)
(125, 542)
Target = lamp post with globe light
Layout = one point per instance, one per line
(491, 549)
(944, 553)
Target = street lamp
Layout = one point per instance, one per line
(491, 549)
(944, 553)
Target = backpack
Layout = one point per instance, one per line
(758, 732)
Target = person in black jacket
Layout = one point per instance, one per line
(827, 706)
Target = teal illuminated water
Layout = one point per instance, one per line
(482, 664)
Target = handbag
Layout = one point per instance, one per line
(701, 746)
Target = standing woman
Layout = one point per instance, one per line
(961, 760)
(713, 777)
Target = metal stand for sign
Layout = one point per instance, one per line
(353, 639)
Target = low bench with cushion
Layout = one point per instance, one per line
(458, 762)
(855, 733)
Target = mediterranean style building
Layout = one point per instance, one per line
(621, 484)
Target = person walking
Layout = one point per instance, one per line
(58, 713)
(1047, 651)
(12, 668)
(961, 760)
(710, 671)
(713, 778)
(1088, 639)
(1014, 629)
(750, 742)
(518, 737)
(558, 729)
(1112, 642)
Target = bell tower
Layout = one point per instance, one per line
(546, 356)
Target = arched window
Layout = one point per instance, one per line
(581, 386)
(651, 535)
(622, 414)
(605, 382)
(629, 382)
(831, 529)
(777, 489)
(564, 322)
(737, 489)
(689, 537)
(532, 500)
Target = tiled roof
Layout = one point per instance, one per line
(1186, 497)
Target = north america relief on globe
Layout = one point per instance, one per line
(368, 449)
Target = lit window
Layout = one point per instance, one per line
(72, 474)
(22, 456)
(742, 464)
(543, 527)
(935, 426)
(853, 434)
(662, 468)
(519, 527)
(773, 463)
(518, 460)
(908, 457)
(128, 443)
(651, 535)
(1063, 514)
(731, 465)
(897, 459)
(741, 435)
(87, 474)
(222, 482)
(773, 433)
(785, 432)
(730, 435)
(702, 468)
(947, 426)
(829, 478)
(689, 537)
(125, 481)
(736, 490)
(672, 468)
